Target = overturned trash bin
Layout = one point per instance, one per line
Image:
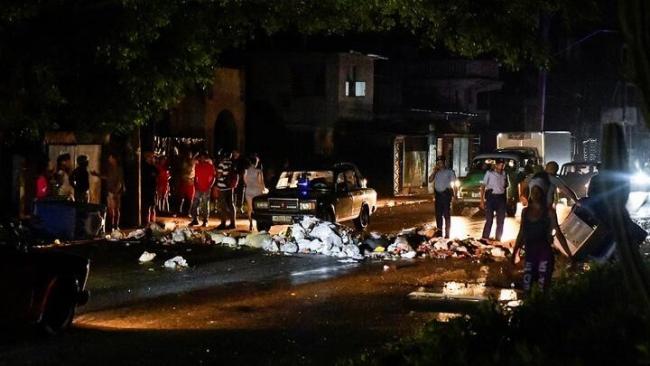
(589, 237)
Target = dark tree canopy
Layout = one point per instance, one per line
(114, 64)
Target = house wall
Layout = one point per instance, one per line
(227, 94)
(196, 115)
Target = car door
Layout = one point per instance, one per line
(356, 192)
(343, 204)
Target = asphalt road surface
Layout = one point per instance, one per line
(246, 307)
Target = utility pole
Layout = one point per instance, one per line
(543, 76)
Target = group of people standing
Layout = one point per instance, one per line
(539, 223)
(65, 183)
(229, 180)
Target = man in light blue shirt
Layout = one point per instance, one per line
(493, 199)
(443, 180)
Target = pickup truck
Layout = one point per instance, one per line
(335, 193)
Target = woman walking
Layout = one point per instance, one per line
(538, 225)
(254, 183)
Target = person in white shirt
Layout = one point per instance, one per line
(443, 180)
(493, 199)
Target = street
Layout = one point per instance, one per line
(247, 307)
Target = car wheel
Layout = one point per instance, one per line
(511, 209)
(327, 215)
(59, 307)
(363, 220)
(263, 226)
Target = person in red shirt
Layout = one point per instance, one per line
(204, 177)
(162, 183)
(42, 181)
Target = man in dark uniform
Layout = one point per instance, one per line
(443, 180)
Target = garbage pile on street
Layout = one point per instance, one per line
(314, 236)
(422, 242)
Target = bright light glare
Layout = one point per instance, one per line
(640, 178)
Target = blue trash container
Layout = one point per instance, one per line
(57, 219)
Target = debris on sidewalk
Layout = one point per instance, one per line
(146, 257)
(177, 262)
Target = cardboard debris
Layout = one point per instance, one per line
(176, 263)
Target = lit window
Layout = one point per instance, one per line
(347, 88)
(360, 88)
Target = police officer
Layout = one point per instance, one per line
(443, 180)
(493, 198)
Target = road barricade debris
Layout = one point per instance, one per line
(146, 257)
(177, 262)
(314, 236)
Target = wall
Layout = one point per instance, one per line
(227, 94)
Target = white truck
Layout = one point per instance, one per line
(555, 146)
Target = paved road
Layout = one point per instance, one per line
(244, 307)
(117, 278)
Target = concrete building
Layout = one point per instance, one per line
(216, 115)
(436, 108)
(302, 97)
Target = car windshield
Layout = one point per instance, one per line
(320, 179)
(579, 169)
(481, 165)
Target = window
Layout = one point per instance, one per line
(360, 88)
(346, 181)
(354, 87)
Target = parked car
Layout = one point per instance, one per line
(41, 288)
(469, 187)
(577, 175)
(336, 193)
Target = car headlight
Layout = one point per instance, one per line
(640, 178)
(262, 204)
(307, 206)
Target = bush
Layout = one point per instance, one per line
(586, 319)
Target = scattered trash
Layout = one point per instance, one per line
(229, 241)
(176, 263)
(146, 257)
(116, 235)
(347, 260)
(216, 238)
(136, 234)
